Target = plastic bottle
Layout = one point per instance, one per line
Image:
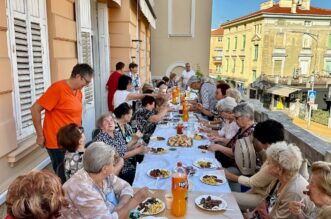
(185, 112)
(179, 191)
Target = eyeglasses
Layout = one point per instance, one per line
(81, 129)
(87, 82)
(237, 117)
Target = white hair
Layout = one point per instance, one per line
(98, 155)
(227, 104)
(234, 93)
(244, 110)
(287, 156)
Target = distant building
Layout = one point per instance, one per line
(283, 41)
(216, 47)
(182, 35)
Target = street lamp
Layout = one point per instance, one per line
(314, 37)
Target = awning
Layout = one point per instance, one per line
(282, 90)
(147, 9)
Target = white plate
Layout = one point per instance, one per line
(213, 174)
(221, 207)
(149, 171)
(147, 213)
(213, 165)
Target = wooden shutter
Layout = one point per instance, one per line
(29, 58)
(278, 67)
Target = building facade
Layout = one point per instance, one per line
(216, 48)
(182, 35)
(284, 39)
(41, 41)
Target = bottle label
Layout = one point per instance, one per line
(182, 184)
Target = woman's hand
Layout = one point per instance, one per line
(214, 147)
(140, 195)
(296, 207)
(142, 149)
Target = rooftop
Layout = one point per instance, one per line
(276, 9)
(218, 31)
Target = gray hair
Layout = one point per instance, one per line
(100, 120)
(244, 110)
(98, 155)
(287, 156)
(194, 79)
(234, 93)
(227, 104)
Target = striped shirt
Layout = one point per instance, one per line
(207, 96)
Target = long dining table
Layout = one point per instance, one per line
(188, 156)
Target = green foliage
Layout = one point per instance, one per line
(320, 116)
(198, 72)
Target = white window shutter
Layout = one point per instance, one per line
(29, 60)
(87, 58)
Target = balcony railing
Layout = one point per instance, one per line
(217, 58)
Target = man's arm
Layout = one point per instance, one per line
(36, 118)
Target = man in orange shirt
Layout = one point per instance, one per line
(62, 103)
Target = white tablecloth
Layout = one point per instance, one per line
(169, 161)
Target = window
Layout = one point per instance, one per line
(219, 39)
(327, 67)
(308, 23)
(29, 56)
(227, 65)
(228, 43)
(234, 66)
(242, 66)
(235, 42)
(278, 67)
(253, 75)
(306, 41)
(329, 41)
(304, 66)
(244, 42)
(256, 52)
(219, 52)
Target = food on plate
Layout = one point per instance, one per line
(211, 180)
(205, 164)
(209, 203)
(180, 141)
(163, 123)
(151, 206)
(198, 137)
(172, 149)
(190, 170)
(203, 147)
(158, 150)
(157, 138)
(161, 173)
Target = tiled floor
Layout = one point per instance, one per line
(3, 207)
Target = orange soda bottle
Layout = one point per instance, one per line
(174, 96)
(185, 112)
(179, 191)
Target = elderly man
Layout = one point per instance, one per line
(186, 75)
(206, 99)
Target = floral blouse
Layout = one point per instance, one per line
(73, 161)
(119, 144)
(127, 134)
(140, 122)
(86, 200)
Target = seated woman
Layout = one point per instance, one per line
(234, 93)
(95, 192)
(123, 93)
(319, 192)
(230, 127)
(172, 80)
(284, 162)
(146, 118)
(112, 137)
(71, 137)
(38, 194)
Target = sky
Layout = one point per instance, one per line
(224, 10)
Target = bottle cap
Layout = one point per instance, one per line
(179, 164)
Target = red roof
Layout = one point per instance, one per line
(276, 9)
(218, 31)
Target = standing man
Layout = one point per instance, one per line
(62, 103)
(186, 75)
(133, 67)
(112, 84)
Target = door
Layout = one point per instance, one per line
(85, 52)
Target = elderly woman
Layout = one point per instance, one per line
(206, 99)
(283, 162)
(146, 118)
(230, 127)
(94, 192)
(112, 137)
(71, 137)
(38, 194)
(172, 80)
(319, 190)
(234, 93)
